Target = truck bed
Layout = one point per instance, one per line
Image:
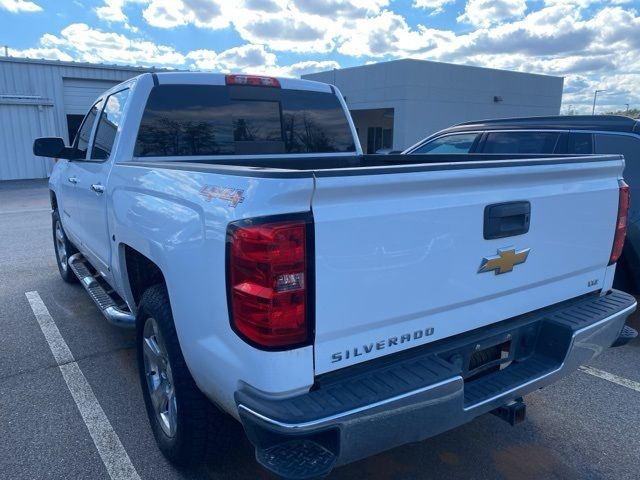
(332, 164)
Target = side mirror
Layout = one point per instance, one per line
(53, 147)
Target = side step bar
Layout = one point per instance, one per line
(108, 301)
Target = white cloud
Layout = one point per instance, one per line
(287, 31)
(16, 6)
(42, 52)
(237, 59)
(340, 8)
(283, 25)
(253, 59)
(483, 13)
(87, 44)
(174, 13)
(435, 5)
(388, 34)
(111, 11)
(302, 68)
(619, 89)
(586, 3)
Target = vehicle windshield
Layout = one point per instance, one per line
(188, 120)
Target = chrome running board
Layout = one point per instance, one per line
(109, 302)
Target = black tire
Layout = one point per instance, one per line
(63, 248)
(188, 444)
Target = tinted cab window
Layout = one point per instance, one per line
(459, 143)
(184, 120)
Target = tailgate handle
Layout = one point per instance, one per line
(506, 219)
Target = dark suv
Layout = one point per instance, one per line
(583, 134)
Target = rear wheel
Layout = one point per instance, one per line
(63, 248)
(178, 411)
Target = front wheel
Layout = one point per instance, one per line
(177, 410)
(63, 248)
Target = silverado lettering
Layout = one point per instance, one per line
(379, 345)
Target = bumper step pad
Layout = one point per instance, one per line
(626, 335)
(299, 459)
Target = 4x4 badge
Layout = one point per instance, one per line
(504, 261)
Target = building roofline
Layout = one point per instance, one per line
(62, 63)
(421, 61)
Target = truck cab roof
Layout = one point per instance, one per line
(203, 78)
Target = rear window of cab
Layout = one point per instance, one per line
(188, 120)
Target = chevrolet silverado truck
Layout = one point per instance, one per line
(336, 304)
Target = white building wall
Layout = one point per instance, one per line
(429, 96)
(32, 105)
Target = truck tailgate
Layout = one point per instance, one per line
(399, 255)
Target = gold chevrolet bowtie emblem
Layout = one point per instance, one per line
(504, 261)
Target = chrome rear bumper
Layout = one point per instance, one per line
(363, 411)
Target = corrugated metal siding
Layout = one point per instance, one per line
(20, 124)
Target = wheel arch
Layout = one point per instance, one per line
(53, 199)
(140, 273)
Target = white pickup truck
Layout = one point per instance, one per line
(336, 304)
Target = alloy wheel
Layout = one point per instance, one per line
(159, 377)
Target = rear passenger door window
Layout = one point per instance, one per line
(110, 120)
(521, 142)
(459, 143)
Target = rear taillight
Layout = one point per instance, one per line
(268, 282)
(252, 80)
(621, 223)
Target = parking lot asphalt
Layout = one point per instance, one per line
(583, 427)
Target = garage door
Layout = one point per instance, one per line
(79, 94)
(21, 124)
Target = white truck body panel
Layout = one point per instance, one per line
(161, 214)
(400, 253)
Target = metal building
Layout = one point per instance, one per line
(46, 98)
(394, 104)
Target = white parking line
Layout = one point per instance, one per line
(33, 210)
(625, 382)
(106, 440)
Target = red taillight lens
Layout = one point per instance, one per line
(621, 223)
(252, 80)
(268, 283)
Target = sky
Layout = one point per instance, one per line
(594, 44)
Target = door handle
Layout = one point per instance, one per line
(509, 219)
(73, 180)
(96, 187)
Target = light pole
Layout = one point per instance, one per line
(627, 107)
(595, 96)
